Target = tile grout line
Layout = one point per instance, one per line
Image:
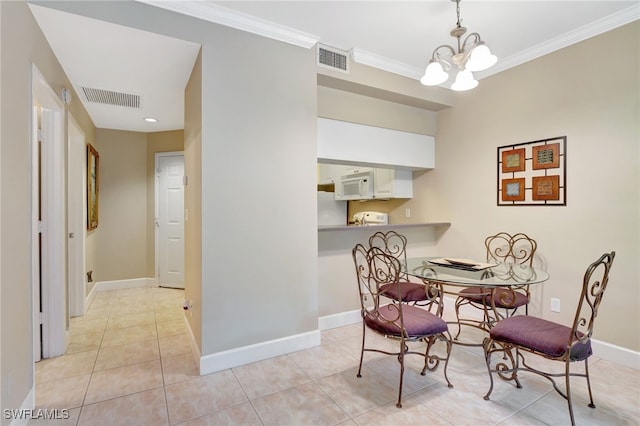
(164, 383)
(84, 398)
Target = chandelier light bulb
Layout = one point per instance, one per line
(481, 58)
(464, 81)
(434, 74)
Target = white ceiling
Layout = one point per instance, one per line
(398, 36)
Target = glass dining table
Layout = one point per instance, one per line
(449, 274)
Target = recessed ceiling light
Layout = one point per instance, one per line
(150, 120)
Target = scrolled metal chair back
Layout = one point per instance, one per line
(594, 285)
(375, 267)
(391, 243)
(517, 248)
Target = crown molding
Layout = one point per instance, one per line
(373, 60)
(230, 18)
(592, 29)
(202, 9)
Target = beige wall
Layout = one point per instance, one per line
(121, 235)
(169, 141)
(593, 103)
(193, 198)
(258, 132)
(355, 108)
(22, 43)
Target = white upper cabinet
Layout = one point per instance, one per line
(392, 183)
(344, 142)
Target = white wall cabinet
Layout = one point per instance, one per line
(392, 183)
(344, 142)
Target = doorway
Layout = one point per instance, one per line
(48, 212)
(169, 219)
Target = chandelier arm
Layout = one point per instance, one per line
(475, 42)
(436, 53)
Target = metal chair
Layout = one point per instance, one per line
(502, 247)
(519, 334)
(396, 320)
(395, 244)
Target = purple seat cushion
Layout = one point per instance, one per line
(417, 322)
(539, 335)
(475, 294)
(507, 298)
(502, 297)
(409, 292)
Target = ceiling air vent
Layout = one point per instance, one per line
(335, 59)
(108, 97)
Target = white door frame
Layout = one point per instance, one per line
(48, 197)
(76, 216)
(159, 155)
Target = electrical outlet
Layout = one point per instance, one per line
(407, 212)
(555, 305)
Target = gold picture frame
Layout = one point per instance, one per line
(93, 187)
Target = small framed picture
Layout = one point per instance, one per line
(513, 189)
(93, 191)
(546, 188)
(513, 160)
(546, 156)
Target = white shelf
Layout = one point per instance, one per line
(378, 227)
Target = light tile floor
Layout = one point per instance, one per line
(130, 363)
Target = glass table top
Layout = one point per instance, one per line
(498, 275)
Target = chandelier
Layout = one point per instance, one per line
(472, 55)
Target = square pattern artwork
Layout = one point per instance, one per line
(533, 173)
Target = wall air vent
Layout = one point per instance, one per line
(109, 97)
(336, 59)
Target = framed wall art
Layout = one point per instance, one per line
(533, 173)
(93, 185)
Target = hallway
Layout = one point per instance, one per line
(130, 363)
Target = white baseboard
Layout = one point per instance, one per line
(219, 361)
(616, 354)
(121, 284)
(89, 298)
(195, 350)
(339, 320)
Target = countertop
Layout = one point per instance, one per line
(370, 227)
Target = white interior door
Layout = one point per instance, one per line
(76, 216)
(170, 219)
(49, 253)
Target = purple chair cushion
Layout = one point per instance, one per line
(409, 292)
(475, 294)
(539, 335)
(417, 322)
(502, 297)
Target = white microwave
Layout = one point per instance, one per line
(356, 186)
